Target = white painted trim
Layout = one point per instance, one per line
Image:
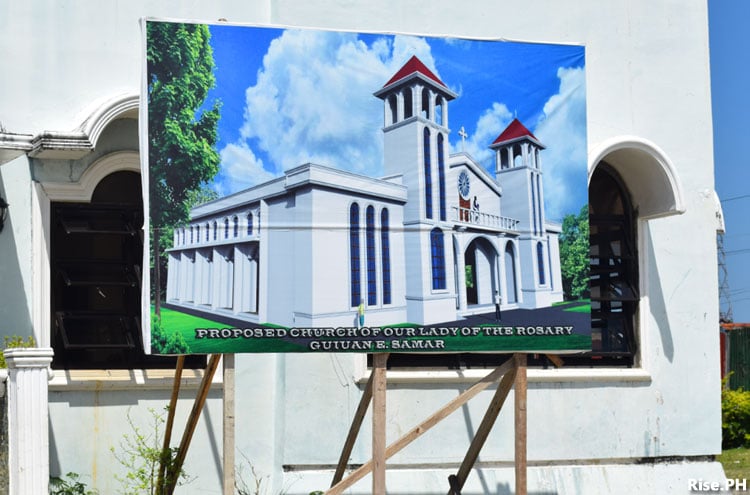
(82, 190)
(602, 150)
(40, 259)
(120, 106)
(542, 376)
(132, 379)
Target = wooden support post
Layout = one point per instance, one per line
(187, 435)
(359, 416)
(379, 387)
(503, 389)
(520, 423)
(165, 455)
(423, 427)
(228, 424)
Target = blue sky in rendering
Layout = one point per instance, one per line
(295, 96)
(730, 81)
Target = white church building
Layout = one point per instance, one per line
(432, 241)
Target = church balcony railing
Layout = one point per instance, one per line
(479, 219)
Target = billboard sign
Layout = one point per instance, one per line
(321, 191)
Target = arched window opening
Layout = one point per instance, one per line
(540, 262)
(438, 259)
(354, 259)
(197, 233)
(216, 229)
(372, 290)
(208, 227)
(439, 110)
(226, 228)
(235, 226)
(408, 103)
(614, 266)
(249, 224)
(427, 174)
(385, 248)
(517, 156)
(393, 108)
(441, 176)
(425, 104)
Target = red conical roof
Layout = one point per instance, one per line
(514, 130)
(412, 66)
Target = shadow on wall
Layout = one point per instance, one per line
(15, 251)
(657, 302)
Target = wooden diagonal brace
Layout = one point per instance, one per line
(424, 426)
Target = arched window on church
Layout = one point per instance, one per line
(249, 224)
(425, 103)
(393, 108)
(354, 259)
(191, 234)
(372, 288)
(540, 262)
(441, 176)
(197, 233)
(235, 226)
(208, 227)
(408, 103)
(439, 110)
(427, 174)
(216, 229)
(438, 259)
(385, 248)
(614, 265)
(226, 228)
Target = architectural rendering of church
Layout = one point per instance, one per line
(437, 238)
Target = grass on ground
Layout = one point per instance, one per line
(736, 463)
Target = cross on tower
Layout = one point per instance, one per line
(462, 133)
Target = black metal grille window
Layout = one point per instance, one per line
(96, 266)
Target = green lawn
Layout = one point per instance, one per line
(185, 324)
(736, 463)
(174, 321)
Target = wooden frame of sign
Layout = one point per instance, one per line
(511, 374)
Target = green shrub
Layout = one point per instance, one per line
(166, 343)
(13, 342)
(735, 418)
(71, 486)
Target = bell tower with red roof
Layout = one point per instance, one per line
(415, 129)
(415, 139)
(518, 167)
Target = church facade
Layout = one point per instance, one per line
(436, 239)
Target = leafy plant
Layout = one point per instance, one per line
(574, 254)
(14, 342)
(735, 417)
(163, 342)
(71, 486)
(140, 454)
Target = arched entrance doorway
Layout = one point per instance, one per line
(480, 265)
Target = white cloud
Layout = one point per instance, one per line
(240, 169)
(313, 102)
(489, 126)
(562, 129)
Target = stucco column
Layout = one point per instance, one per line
(28, 428)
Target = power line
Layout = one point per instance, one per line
(735, 198)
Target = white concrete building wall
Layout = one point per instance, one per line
(647, 74)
